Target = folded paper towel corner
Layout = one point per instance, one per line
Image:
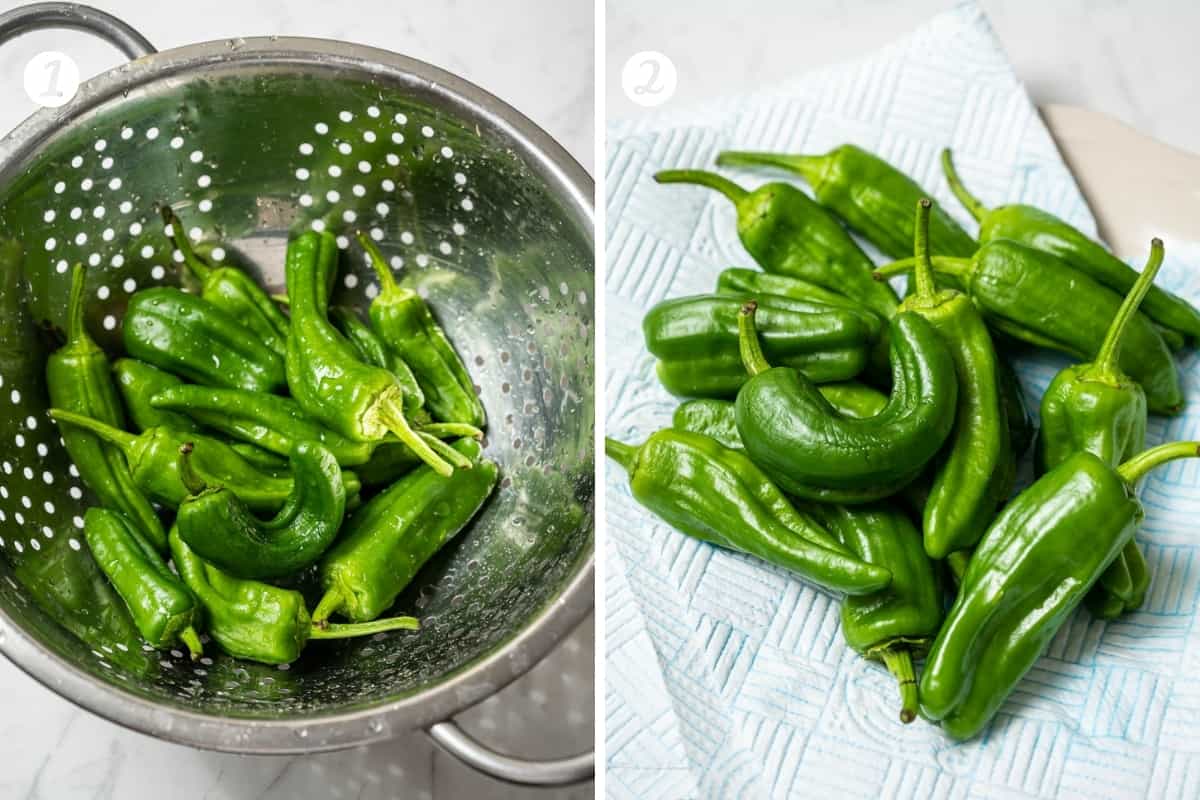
(726, 677)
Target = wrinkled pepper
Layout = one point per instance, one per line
(189, 336)
(218, 526)
(403, 320)
(384, 544)
(1098, 408)
(138, 382)
(232, 291)
(718, 495)
(78, 380)
(696, 341)
(1036, 297)
(869, 194)
(372, 350)
(360, 401)
(161, 606)
(814, 452)
(968, 479)
(1035, 228)
(1027, 576)
(788, 233)
(257, 621)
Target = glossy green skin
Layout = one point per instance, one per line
(812, 451)
(385, 543)
(909, 611)
(970, 475)
(1043, 231)
(1026, 577)
(78, 380)
(717, 419)
(1103, 414)
(1039, 298)
(138, 382)
(186, 335)
(248, 619)
(219, 527)
(718, 495)
(372, 350)
(874, 198)
(239, 296)
(159, 603)
(696, 341)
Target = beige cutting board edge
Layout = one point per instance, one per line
(1137, 186)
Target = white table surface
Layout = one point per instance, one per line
(1137, 61)
(51, 749)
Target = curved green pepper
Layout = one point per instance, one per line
(1038, 298)
(162, 608)
(869, 194)
(738, 282)
(184, 334)
(1026, 577)
(812, 451)
(372, 350)
(78, 380)
(1035, 228)
(968, 477)
(258, 621)
(386, 542)
(718, 495)
(218, 526)
(404, 322)
(1098, 408)
(896, 623)
(789, 233)
(138, 382)
(696, 341)
(232, 291)
(153, 457)
(360, 401)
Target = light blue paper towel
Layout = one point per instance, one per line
(727, 677)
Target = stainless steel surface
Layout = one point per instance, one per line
(474, 753)
(251, 139)
(39, 16)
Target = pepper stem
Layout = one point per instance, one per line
(701, 177)
(331, 601)
(899, 663)
(391, 414)
(75, 328)
(923, 269)
(957, 267)
(456, 459)
(123, 440)
(969, 201)
(200, 271)
(448, 430)
(191, 480)
(1136, 467)
(334, 630)
(1110, 349)
(191, 640)
(748, 343)
(387, 280)
(623, 454)
(811, 168)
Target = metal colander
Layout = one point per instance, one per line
(251, 141)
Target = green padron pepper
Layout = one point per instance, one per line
(814, 452)
(1035, 228)
(1098, 408)
(869, 194)
(787, 232)
(161, 606)
(138, 382)
(372, 350)
(257, 621)
(717, 495)
(78, 380)
(1027, 576)
(696, 341)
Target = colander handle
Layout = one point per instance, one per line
(40, 16)
(558, 772)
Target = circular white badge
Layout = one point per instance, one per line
(51, 79)
(649, 78)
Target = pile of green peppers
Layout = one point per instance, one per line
(869, 443)
(274, 444)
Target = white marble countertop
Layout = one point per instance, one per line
(50, 748)
(1135, 61)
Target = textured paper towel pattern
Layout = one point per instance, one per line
(726, 677)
